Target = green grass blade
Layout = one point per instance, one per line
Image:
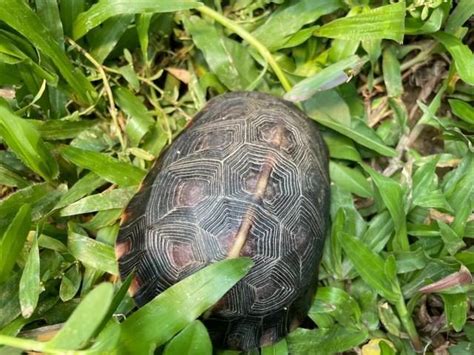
(19, 16)
(140, 120)
(280, 348)
(228, 59)
(110, 169)
(365, 137)
(91, 252)
(463, 11)
(193, 339)
(463, 110)
(326, 79)
(107, 200)
(48, 12)
(30, 287)
(351, 180)
(180, 305)
(13, 239)
(86, 318)
(370, 266)
(104, 39)
(105, 9)
(462, 55)
(26, 142)
(385, 22)
(392, 196)
(290, 18)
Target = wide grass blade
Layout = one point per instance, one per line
(370, 266)
(139, 120)
(83, 323)
(180, 304)
(326, 79)
(21, 17)
(290, 18)
(110, 169)
(26, 142)
(193, 339)
(385, 22)
(462, 55)
(106, 9)
(364, 136)
(13, 239)
(91, 252)
(228, 59)
(393, 198)
(30, 287)
(107, 200)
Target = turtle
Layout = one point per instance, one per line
(247, 177)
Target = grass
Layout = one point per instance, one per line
(92, 91)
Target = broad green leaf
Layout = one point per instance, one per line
(61, 129)
(34, 195)
(228, 59)
(379, 232)
(393, 198)
(9, 302)
(408, 261)
(180, 304)
(416, 26)
(461, 13)
(143, 26)
(105, 9)
(463, 110)
(107, 200)
(10, 178)
(337, 303)
(280, 348)
(290, 18)
(341, 147)
(392, 73)
(13, 239)
(21, 17)
(389, 319)
(387, 22)
(69, 11)
(11, 54)
(70, 283)
(82, 324)
(110, 169)
(452, 241)
(331, 103)
(350, 179)
(462, 55)
(48, 12)
(456, 308)
(91, 252)
(81, 188)
(369, 266)
(460, 200)
(325, 341)
(139, 120)
(328, 78)
(26, 142)
(359, 132)
(30, 287)
(332, 249)
(104, 39)
(193, 339)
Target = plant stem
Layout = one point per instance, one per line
(408, 324)
(246, 36)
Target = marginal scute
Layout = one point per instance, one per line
(248, 177)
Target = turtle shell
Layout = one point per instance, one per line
(248, 177)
